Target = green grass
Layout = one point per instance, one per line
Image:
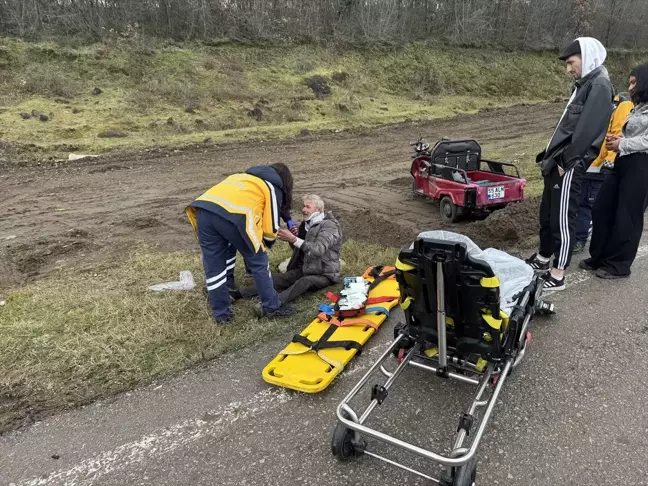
(243, 92)
(71, 339)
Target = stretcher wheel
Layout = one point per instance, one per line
(450, 212)
(465, 475)
(343, 444)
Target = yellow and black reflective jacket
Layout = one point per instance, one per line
(251, 201)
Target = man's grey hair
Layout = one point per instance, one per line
(317, 201)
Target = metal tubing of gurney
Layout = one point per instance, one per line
(388, 384)
(384, 371)
(461, 436)
(441, 317)
(364, 430)
(455, 376)
(481, 389)
(525, 325)
(459, 452)
(354, 417)
(344, 405)
(351, 412)
(491, 406)
(446, 461)
(402, 466)
(521, 343)
(478, 402)
(371, 371)
(463, 363)
(453, 360)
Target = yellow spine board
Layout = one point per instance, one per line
(299, 368)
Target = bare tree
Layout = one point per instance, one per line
(515, 23)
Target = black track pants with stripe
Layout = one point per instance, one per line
(559, 213)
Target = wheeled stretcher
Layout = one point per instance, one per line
(457, 326)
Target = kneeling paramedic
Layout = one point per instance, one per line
(241, 214)
(315, 262)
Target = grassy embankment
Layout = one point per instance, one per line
(159, 93)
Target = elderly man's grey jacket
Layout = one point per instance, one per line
(320, 252)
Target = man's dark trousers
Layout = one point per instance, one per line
(588, 192)
(291, 285)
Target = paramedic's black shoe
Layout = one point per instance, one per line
(552, 284)
(602, 273)
(234, 295)
(286, 310)
(579, 246)
(537, 264)
(589, 264)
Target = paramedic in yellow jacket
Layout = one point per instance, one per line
(596, 174)
(241, 214)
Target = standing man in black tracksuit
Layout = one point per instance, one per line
(574, 145)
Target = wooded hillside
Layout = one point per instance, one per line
(512, 23)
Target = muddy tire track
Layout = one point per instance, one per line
(125, 199)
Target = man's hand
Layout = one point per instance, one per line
(286, 235)
(294, 230)
(612, 142)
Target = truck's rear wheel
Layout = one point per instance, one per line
(450, 212)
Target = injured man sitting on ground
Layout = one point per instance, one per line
(315, 262)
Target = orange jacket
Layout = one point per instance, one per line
(619, 117)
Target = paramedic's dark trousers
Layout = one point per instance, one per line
(618, 215)
(291, 285)
(219, 240)
(558, 214)
(588, 192)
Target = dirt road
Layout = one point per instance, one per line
(92, 209)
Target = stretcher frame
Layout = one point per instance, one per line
(461, 461)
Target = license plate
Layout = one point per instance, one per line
(496, 192)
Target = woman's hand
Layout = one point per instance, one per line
(612, 142)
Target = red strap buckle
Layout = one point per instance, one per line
(332, 297)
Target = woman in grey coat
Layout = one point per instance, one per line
(618, 214)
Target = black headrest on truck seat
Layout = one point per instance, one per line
(460, 154)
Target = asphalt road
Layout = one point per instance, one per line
(574, 413)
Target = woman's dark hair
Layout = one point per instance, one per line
(641, 90)
(287, 181)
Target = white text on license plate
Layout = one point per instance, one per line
(496, 192)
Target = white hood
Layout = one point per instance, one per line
(593, 54)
